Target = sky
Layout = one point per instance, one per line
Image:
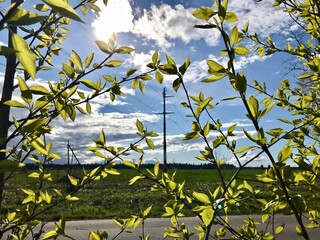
(166, 26)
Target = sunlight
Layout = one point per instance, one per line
(116, 17)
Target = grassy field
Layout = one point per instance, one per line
(114, 197)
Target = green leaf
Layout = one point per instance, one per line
(280, 228)
(234, 35)
(89, 84)
(136, 178)
(15, 103)
(114, 63)
(104, 47)
(76, 59)
(6, 51)
(243, 149)
(64, 9)
(38, 144)
(159, 77)
(129, 164)
(156, 169)
(23, 17)
(183, 68)
(202, 197)
(139, 126)
(241, 50)
(141, 86)
(73, 180)
(39, 90)
(9, 165)
(215, 67)
(155, 57)
(135, 83)
(204, 13)
(231, 17)
(207, 215)
(150, 143)
(124, 50)
(253, 106)
(88, 60)
(50, 235)
(130, 71)
(41, 7)
(24, 55)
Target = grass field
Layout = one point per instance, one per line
(114, 197)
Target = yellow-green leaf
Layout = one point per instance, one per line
(9, 165)
(24, 17)
(241, 50)
(64, 9)
(76, 59)
(113, 63)
(201, 197)
(25, 56)
(15, 103)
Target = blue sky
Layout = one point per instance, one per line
(166, 26)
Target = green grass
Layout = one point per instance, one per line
(113, 196)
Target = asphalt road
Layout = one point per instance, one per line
(155, 227)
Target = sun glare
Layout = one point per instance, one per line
(116, 17)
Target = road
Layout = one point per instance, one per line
(155, 227)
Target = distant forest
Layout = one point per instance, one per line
(32, 166)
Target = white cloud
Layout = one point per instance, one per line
(165, 23)
(263, 17)
(116, 17)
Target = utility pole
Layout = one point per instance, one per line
(165, 129)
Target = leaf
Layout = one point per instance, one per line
(241, 50)
(88, 60)
(41, 7)
(253, 106)
(150, 143)
(204, 13)
(159, 77)
(38, 144)
(103, 46)
(73, 180)
(215, 67)
(9, 165)
(124, 50)
(76, 59)
(231, 17)
(201, 197)
(156, 169)
(136, 178)
(15, 103)
(139, 126)
(23, 17)
(280, 228)
(39, 90)
(207, 215)
(64, 9)
(6, 51)
(155, 57)
(50, 235)
(114, 63)
(24, 55)
(89, 84)
(129, 164)
(243, 149)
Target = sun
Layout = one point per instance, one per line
(116, 17)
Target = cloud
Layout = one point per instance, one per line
(263, 17)
(116, 17)
(166, 23)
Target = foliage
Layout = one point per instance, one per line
(34, 49)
